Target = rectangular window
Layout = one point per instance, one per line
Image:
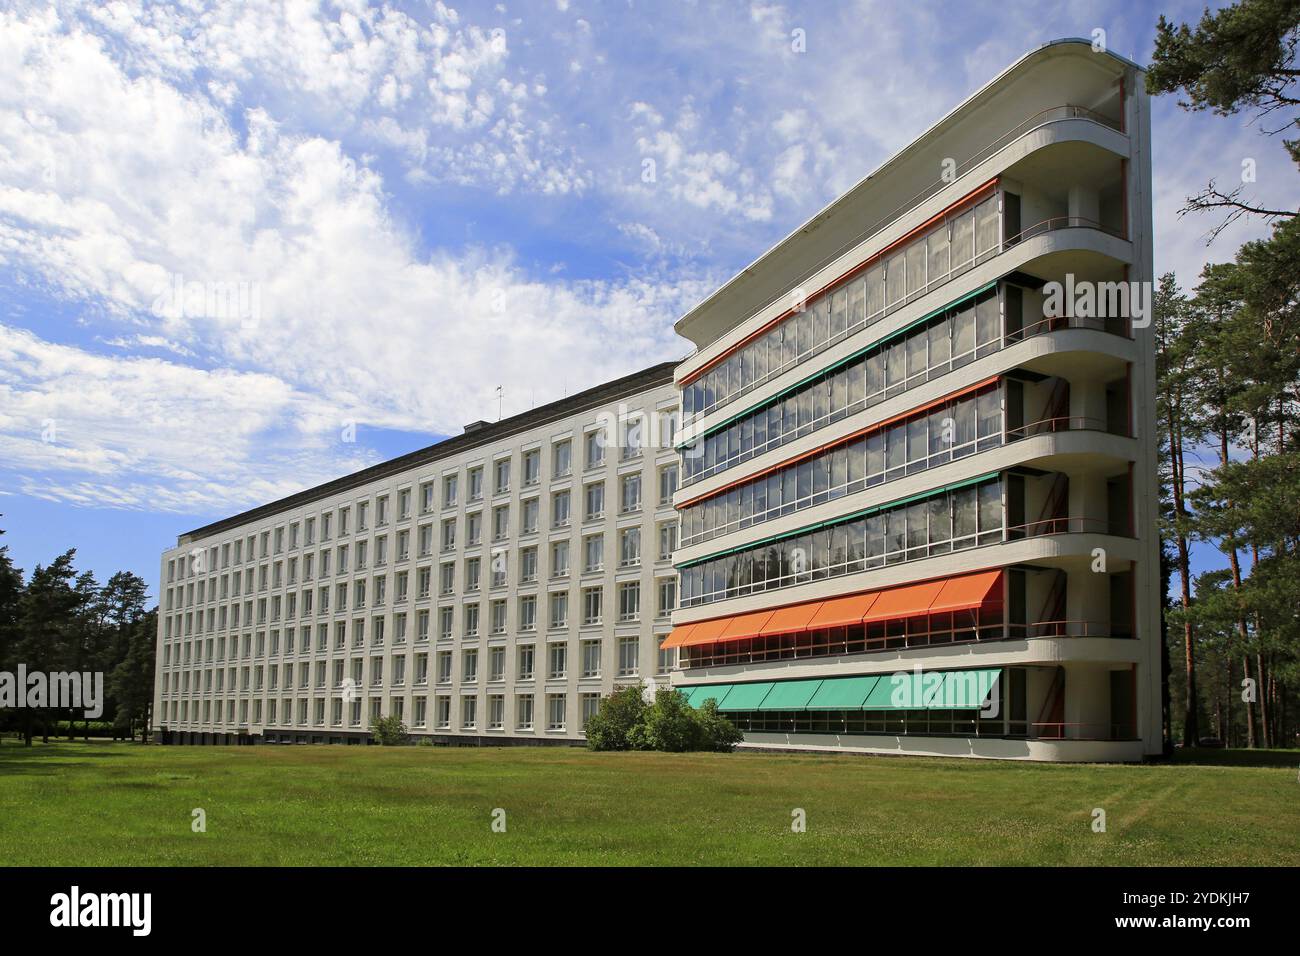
(562, 459)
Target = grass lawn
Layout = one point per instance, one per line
(72, 804)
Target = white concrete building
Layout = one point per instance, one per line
(489, 588)
(918, 500)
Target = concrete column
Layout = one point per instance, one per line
(1084, 203)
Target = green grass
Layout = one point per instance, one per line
(121, 804)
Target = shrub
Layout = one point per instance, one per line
(715, 732)
(626, 722)
(388, 731)
(611, 726)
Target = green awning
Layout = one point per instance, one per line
(965, 689)
(745, 696)
(904, 690)
(932, 690)
(843, 693)
(696, 696)
(791, 694)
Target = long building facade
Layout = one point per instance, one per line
(491, 588)
(918, 497)
(901, 498)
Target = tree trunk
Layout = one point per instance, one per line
(1191, 730)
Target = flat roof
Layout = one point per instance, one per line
(485, 434)
(731, 289)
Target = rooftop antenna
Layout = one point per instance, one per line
(499, 397)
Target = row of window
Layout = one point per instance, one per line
(351, 674)
(264, 544)
(909, 358)
(946, 520)
(498, 566)
(944, 433)
(628, 610)
(313, 713)
(954, 246)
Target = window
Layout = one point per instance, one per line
(595, 500)
(531, 516)
(633, 437)
(497, 664)
(527, 565)
(629, 546)
(501, 476)
(591, 605)
(426, 505)
(497, 617)
(591, 658)
(426, 540)
(629, 600)
(469, 665)
(526, 656)
(496, 711)
(593, 551)
(667, 658)
(527, 612)
(667, 540)
(560, 509)
(442, 712)
(475, 476)
(555, 711)
(469, 713)
(667, 484)
(562, 459)
(595, 448)
(667, 597)
(559, 559)
(474, 529)
(448, 535)
(447, 578)
(524, 712)
(444, 667)
(532, 467)
(450, 491)
(500, 523)
(471, 621)
(630, 493)
(423, 580)
(559, 611)
(445, 615)
(628, 651)
(472, 574)
(404, 504)
(557, 658)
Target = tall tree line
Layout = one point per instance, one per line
(1228, 362)
(62, 620)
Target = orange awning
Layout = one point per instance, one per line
(678, 637)
(890, 604)
(844, 611)
(791, 620)
(708, 631)
(745, 625)
(907, 601)
(968, 591)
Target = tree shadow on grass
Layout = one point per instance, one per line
(1235, 757)
(45, 759)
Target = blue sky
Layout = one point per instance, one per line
(375, 215)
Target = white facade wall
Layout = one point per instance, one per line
(226, 670)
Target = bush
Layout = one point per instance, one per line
(619, 713)
(626, 722)
(388, 731)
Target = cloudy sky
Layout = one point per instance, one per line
(251, 247)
